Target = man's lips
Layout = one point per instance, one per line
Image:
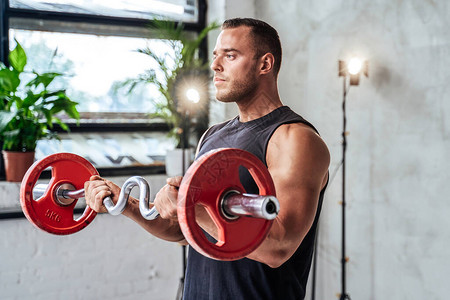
(218, 79)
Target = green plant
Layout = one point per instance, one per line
(28, 108)
(169, 72)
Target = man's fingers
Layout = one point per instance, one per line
(166, 202)
(95, 177)
(95, 191)
(174, 181)
(98, 203)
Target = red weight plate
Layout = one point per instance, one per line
(44, 212)
(206, 181)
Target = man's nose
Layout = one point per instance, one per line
(216, 66)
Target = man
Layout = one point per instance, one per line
(246, 62)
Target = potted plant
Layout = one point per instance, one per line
(185, 67)
(28, 110)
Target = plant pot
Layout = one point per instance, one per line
(174, 161)
(17, 164)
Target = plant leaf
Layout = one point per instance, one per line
(5, 119)
(9, 80)
(45, 79)
(18, 58)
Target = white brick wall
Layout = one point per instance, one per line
(112, 258)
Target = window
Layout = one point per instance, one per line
(178, 10)
(93, 42)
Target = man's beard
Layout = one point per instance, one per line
(240, 91)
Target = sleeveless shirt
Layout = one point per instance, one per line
(245, 279)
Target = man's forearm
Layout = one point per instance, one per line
(166, 229)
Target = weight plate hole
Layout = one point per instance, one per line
(247, 181)
(41, 186)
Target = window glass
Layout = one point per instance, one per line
(94, 65)
(182, 10)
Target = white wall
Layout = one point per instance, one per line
(398, 120)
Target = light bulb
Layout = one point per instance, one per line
(354, 65)
(193, 95)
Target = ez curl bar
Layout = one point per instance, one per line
(243, 220)
(233, 204)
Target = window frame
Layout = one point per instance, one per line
(132, 26)
(7, 12)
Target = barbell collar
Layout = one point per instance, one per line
(235, 204)
(62, 197)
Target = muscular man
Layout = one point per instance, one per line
(247, 59)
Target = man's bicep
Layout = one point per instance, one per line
(298, 204)
(298, 162)
(297, 157)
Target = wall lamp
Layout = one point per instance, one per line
(191, 92)
(353, 68)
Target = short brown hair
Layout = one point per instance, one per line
(265, 38)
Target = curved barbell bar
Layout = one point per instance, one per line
(233, 203)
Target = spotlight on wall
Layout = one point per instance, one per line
(353, 68)
(193, 95)
(191, 92)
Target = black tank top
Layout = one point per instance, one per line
(248, 279)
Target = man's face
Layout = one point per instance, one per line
(234, 65)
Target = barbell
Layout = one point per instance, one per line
(212, 181)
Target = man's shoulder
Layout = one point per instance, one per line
(295, 130)
(298, 137)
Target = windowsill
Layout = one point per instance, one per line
(9, 195)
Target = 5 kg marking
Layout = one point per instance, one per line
(52, 215)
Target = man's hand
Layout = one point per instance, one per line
(97, 189)
(166, 199)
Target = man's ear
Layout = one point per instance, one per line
(267, 62)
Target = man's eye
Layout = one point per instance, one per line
(230, 56)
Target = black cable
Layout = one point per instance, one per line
(344, 294)
(314, 271)
(184, 145)
(182, 278)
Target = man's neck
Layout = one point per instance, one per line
(258, 106)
